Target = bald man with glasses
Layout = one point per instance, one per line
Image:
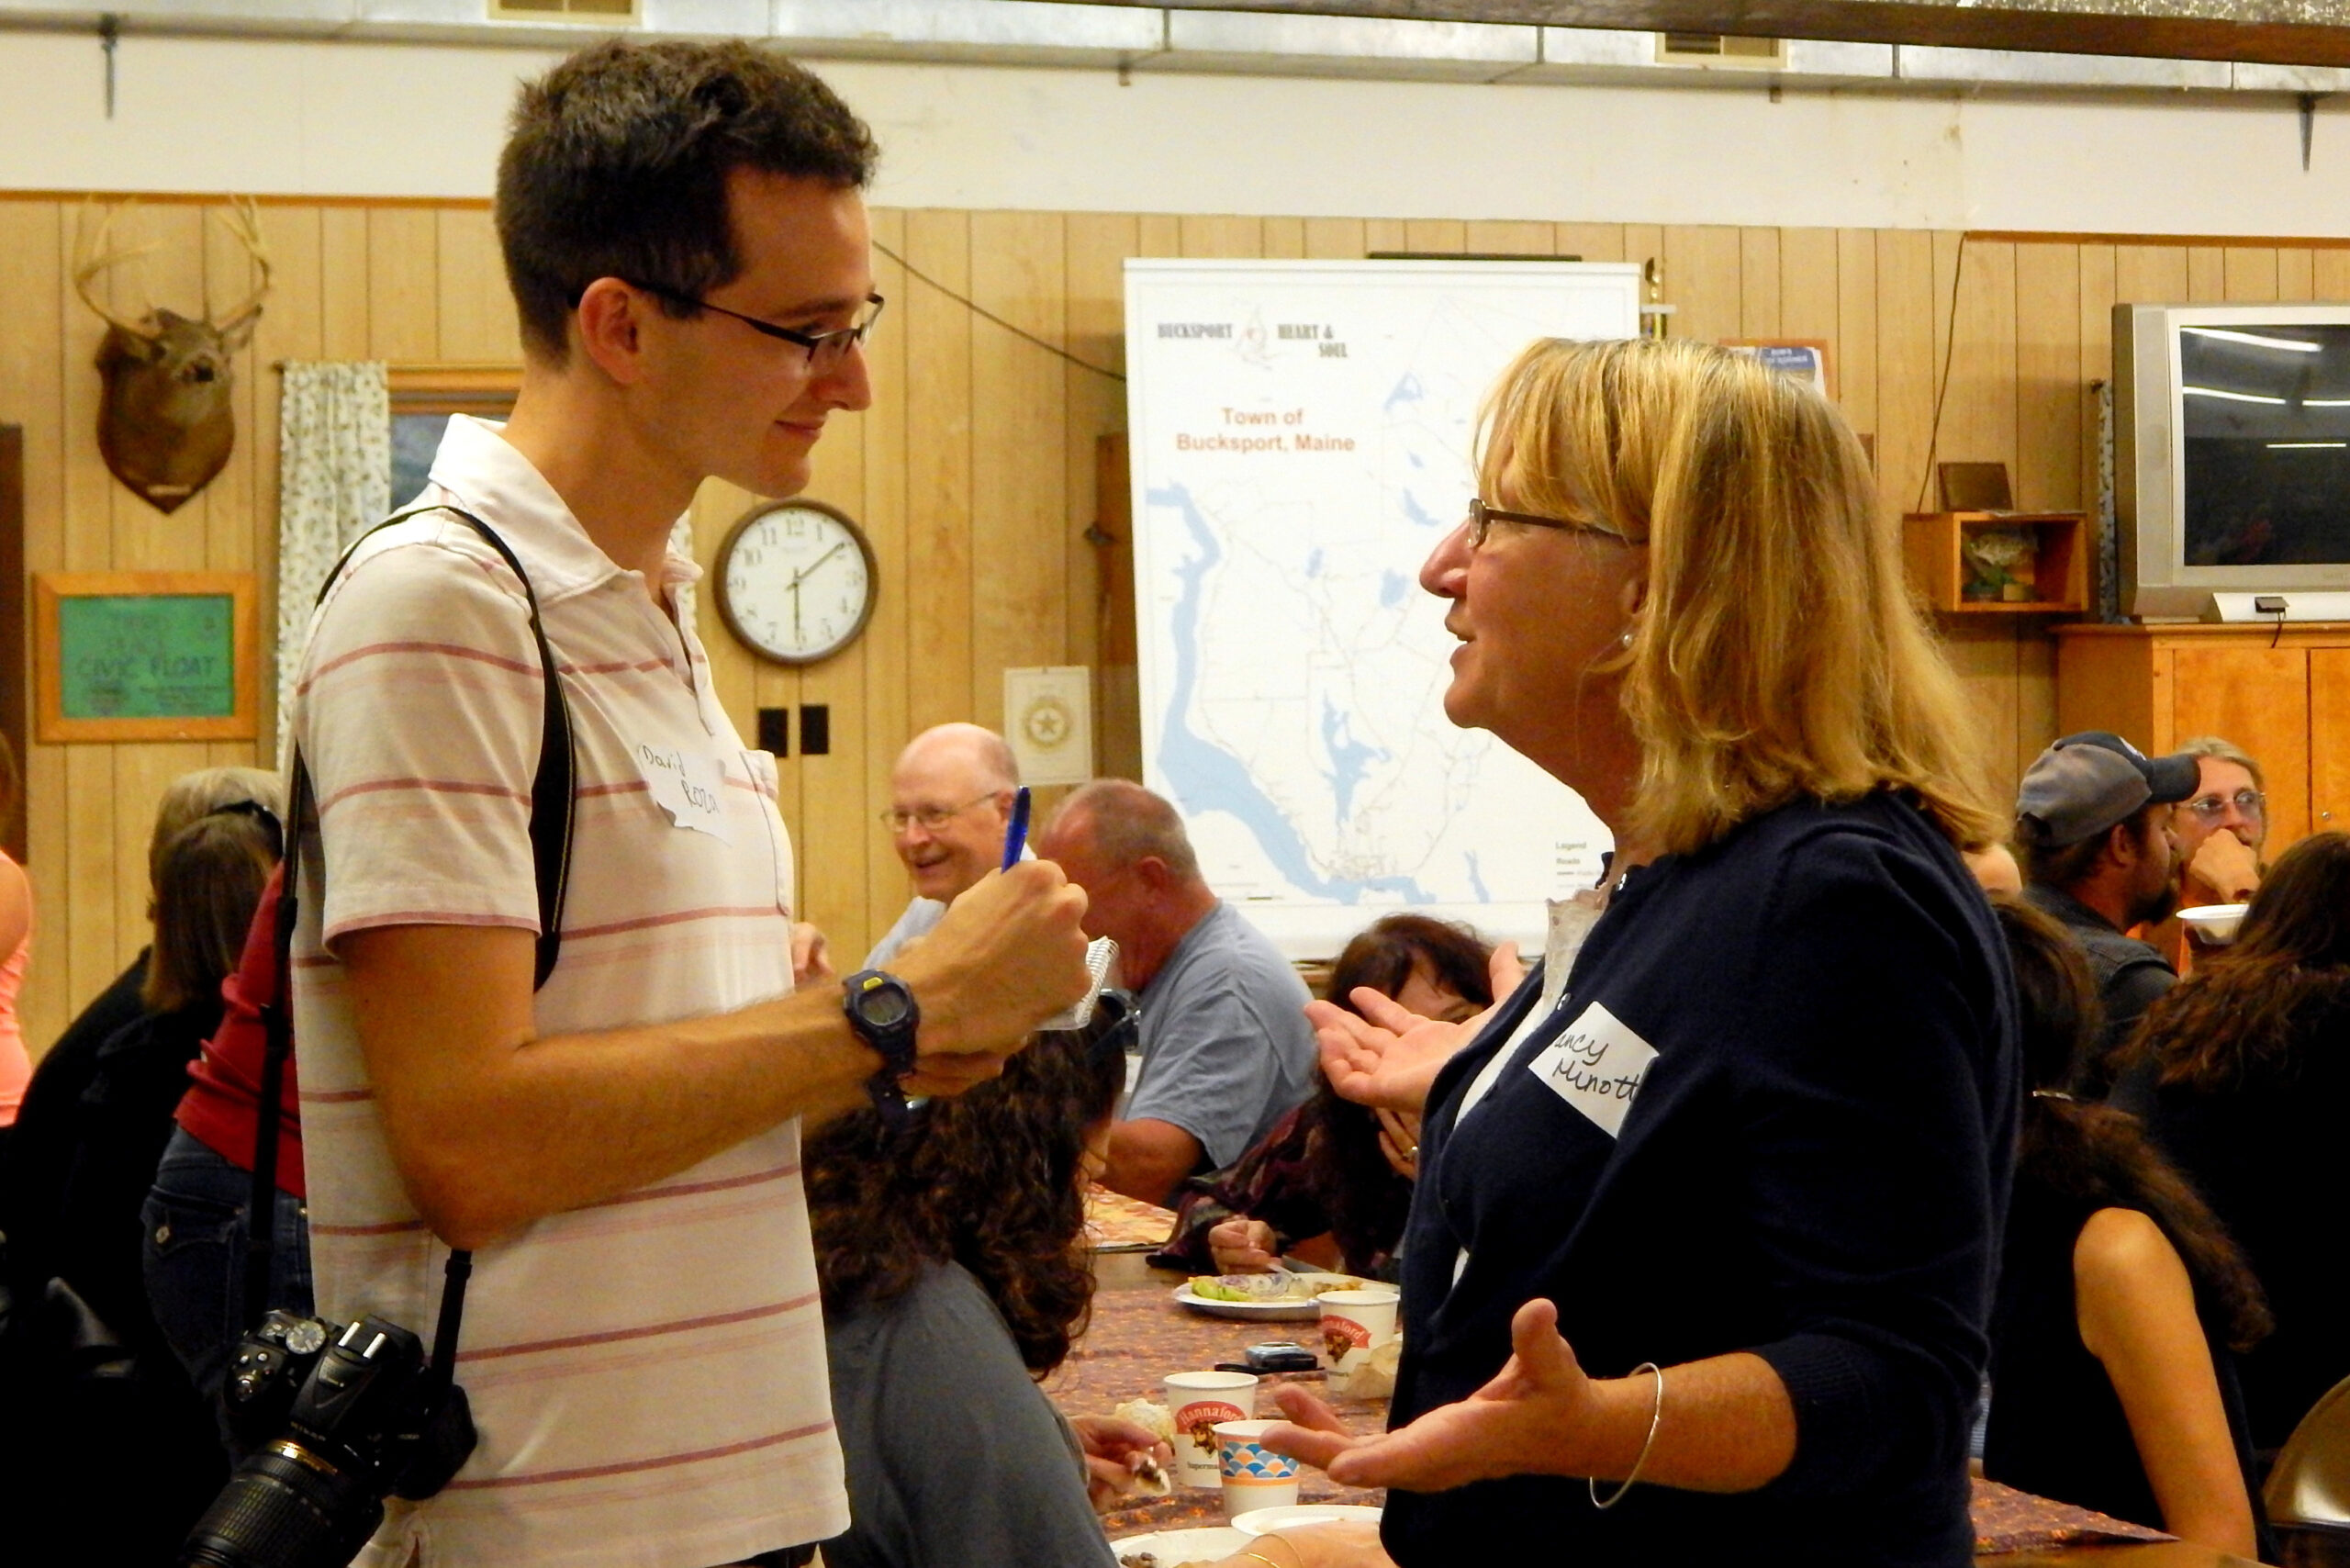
(951, 798)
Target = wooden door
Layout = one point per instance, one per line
(2258, 698)
(2329, 742)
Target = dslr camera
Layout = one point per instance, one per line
(333, 1422)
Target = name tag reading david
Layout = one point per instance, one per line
(689, 786)
(1597, 1066)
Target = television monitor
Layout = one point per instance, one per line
(2232, 453)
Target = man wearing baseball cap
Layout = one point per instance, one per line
(2093, 821)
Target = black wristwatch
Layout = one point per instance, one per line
(885, 1016)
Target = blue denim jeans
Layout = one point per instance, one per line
(193, 1246)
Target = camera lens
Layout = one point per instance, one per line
(285, 1507)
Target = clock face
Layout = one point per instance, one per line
(796, 581)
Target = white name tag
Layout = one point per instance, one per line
(689, 786)
(1597, 1066)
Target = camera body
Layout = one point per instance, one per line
(334, 1422)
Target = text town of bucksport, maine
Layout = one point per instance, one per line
(1252, 430)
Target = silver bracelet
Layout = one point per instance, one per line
(1656, 1419)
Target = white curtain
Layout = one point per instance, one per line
(334, 482)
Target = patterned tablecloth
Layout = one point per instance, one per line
(1138, 1337)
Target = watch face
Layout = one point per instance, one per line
(796, 581)
(882, 1006)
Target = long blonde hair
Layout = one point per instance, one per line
(1778, 653)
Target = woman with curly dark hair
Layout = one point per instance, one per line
(953, 1278)
(1331, 1183)
(2250, 1059)
(2120, 1295)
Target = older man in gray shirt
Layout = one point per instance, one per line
(1225, 1048)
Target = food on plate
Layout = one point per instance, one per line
(1281, 1287)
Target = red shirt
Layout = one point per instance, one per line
(222, 1107)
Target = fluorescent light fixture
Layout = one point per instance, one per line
(2293, 345)
(2302, 445)
(2326, 402)
(2229, 396)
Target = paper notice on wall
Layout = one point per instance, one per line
(1048, 719)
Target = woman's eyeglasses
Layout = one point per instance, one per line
(2211, 807)
(1482, 518)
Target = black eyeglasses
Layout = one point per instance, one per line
(1482, 518)
(2211, 807)
(826, 350)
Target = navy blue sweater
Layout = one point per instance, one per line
(1813, 1167)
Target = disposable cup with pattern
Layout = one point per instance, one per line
(1253, 1475)
(1195, 1401)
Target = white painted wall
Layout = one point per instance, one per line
(391, 119)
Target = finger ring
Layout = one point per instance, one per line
(1412, 1153)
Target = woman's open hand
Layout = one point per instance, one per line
(1388, 1054)
(1540, 1415)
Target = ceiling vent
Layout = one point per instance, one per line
(586, 12)
(1721, 49)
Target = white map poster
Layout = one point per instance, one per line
(1301, 435)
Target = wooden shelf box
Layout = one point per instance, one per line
(1935, 544)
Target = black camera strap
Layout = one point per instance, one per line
(551, 819)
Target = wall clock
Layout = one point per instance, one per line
(796, 581)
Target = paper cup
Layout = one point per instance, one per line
(1196, 1402)
(1354, 1324)
(1254, 1477)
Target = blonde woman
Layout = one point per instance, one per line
(1699, 1263)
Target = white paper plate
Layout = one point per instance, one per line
(1287, 1311)
(2215, 923)
(1173, 1546)
(1264, 1522)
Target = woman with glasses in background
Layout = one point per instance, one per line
(2250, 1058)
(1698, 1265)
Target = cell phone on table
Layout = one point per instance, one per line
(1280, 1356)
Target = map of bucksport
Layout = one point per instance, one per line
(1301, 439)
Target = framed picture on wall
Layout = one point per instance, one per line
(423, 397)
(145, 656)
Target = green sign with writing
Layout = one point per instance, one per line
(148, 656)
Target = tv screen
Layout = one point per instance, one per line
(2265, 411)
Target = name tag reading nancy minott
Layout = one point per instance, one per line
(1597, 1066)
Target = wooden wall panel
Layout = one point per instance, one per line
(938, 471)
(975, 471)
(886, 654)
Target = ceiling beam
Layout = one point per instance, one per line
(2280, 32)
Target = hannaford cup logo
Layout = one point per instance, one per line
(1340, 1335)
(1198, 1421)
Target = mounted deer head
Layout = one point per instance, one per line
(165, 426)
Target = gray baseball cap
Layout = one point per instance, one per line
(2086, 783)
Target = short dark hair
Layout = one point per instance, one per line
(2063, 864)
(617, 161)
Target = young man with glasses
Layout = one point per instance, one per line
(951, 798)
(642, 1344)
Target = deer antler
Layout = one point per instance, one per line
(242, 218)
(95, 259)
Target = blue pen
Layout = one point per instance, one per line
(1015, 835)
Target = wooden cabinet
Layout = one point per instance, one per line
(2283, 695)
